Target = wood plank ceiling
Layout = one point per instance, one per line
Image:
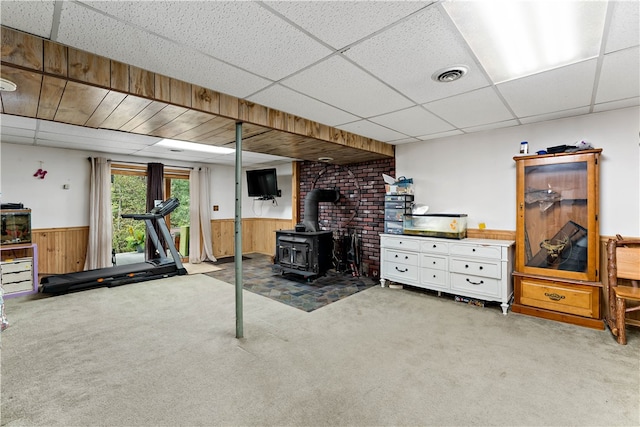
(63, 84)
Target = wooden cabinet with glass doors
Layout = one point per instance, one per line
(557, 253)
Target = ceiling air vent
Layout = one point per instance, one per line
(450, 74)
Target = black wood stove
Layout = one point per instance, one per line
(306, 250)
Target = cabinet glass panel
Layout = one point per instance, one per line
(556, 216)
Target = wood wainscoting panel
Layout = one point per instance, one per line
(61, 250)
(258, 235)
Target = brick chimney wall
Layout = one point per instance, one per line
(360, 209)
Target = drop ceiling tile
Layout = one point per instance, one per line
(284, 99)
(14, 139)
(167, 153)
(624, 30)
(88, 30)
(440, 135)
(335, 23)
(10, 132)
(403, 141)
(34, 17)
(44, 138)
(17, 122)
(556, 90)
(63, 130)
(354, 91)
(407, 55)
(85, 147)
(413, 121)
(555, 115)
(240, 33)
(505, 124)
(372, 130)
(615, 105)
(480, 107)
(619, 76)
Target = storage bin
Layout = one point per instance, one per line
(395, 214)
(396, 198)
(391, 227)
(451, 226)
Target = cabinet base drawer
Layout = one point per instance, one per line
(402, 273)
(480, 286)
(434, 277)
(579, 300)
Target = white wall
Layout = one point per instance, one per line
(52, 206)
(223, 194)
(475, 173)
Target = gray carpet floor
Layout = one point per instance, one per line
(164, 353)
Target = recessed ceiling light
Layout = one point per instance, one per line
(7, 85)
(325, 159)
(174, 145)
(450, 74)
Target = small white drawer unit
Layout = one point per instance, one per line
(17, 275)
(474, 268)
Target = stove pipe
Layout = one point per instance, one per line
(310, 221)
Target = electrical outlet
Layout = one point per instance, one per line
(216, 208)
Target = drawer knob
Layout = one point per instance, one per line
(396, 255)
(475, 283)
(473, 250)
(554, 296)
(402, 271)
(480, 267)
(406, 257)
(434, 263)
(466, 266)
(435, 246)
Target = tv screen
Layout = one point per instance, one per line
(262, 183)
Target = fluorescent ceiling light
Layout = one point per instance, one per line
(192, 146)
(516, 38)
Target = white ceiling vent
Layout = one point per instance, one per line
(450, 74)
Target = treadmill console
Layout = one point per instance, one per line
(166, 207)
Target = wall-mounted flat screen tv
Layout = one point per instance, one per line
(263, 183)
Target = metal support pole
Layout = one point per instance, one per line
(238, 232)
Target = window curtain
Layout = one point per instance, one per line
(100, 234)
(200, 245)
(155, 187)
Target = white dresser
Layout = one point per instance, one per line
(474, 268)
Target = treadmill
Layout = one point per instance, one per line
(157, 268)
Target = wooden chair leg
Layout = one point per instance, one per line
(621, 308)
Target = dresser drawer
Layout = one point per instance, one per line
(482, 251)
(478, 286)
(573, 299)
(401, 243)
(13, 287)
(16, 277)
(432, 261)
(402, 273)
(431, 276)
(23, 264)
(433, 246)
(400, 257)
(476, 268)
